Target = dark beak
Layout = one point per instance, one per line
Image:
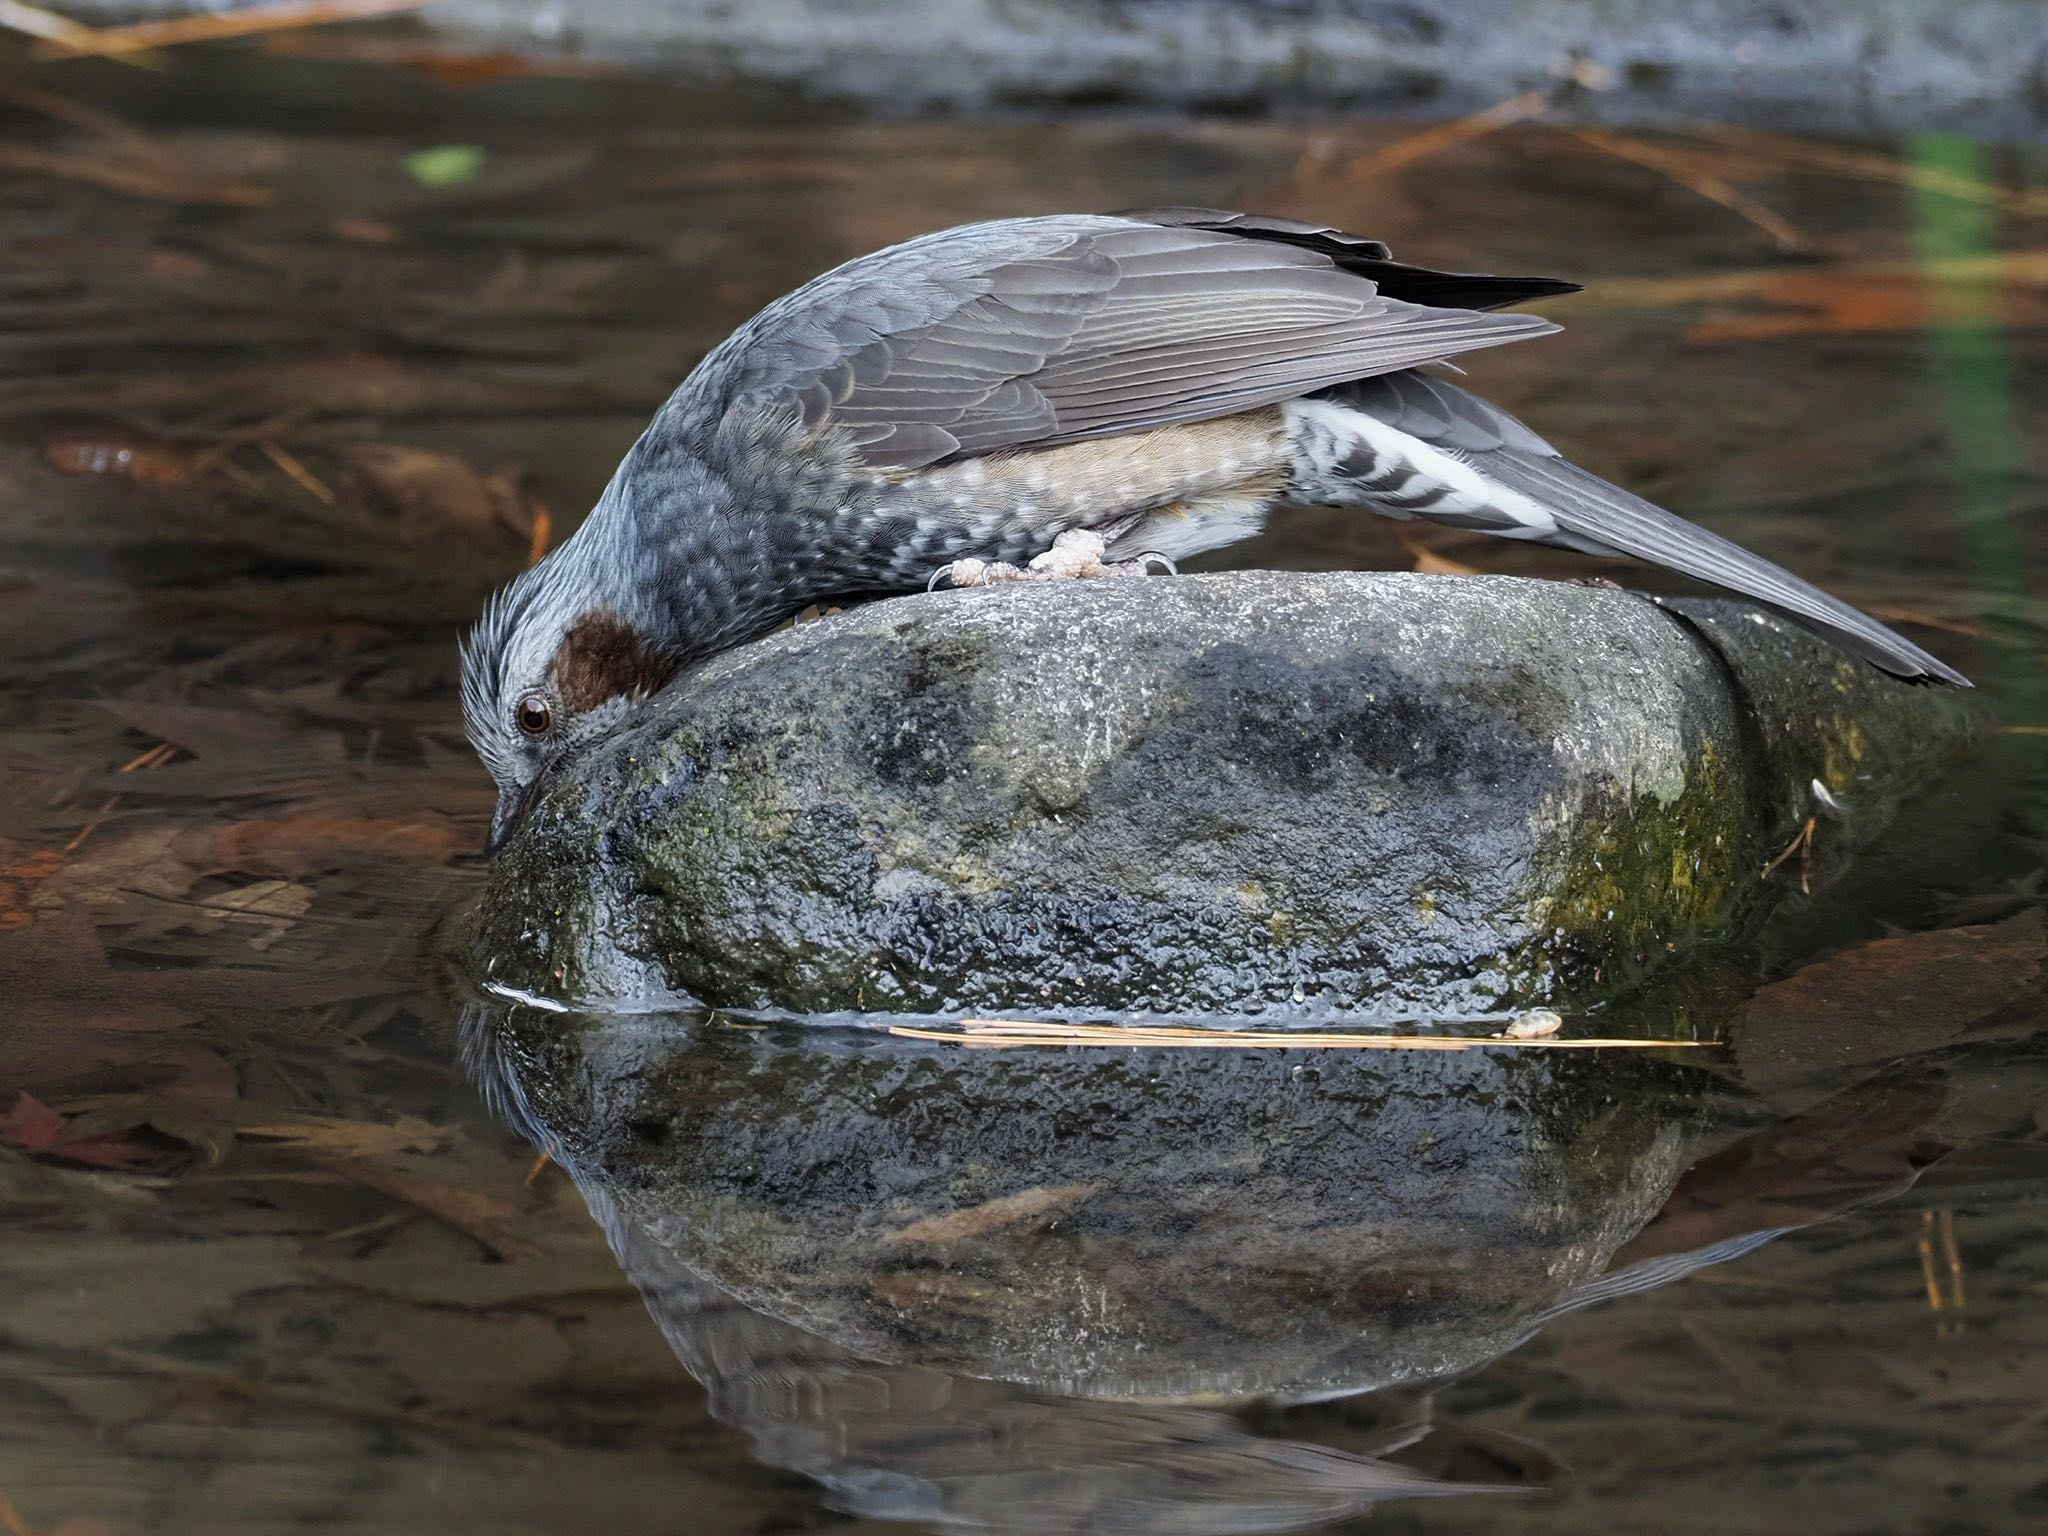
(513, 805)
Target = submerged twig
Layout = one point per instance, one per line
(136, 180)
(1424, 145)
(1801, 844)
(105, 125)
(293, 1394)
(303, 477)
(1760, 144)
(1683, 168)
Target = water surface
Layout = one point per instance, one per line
(300, 360)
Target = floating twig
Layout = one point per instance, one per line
(1006, 1033)
(307, 481)
(35, 21)
(113, 42)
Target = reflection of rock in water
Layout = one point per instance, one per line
(1022, 1287)
(905, 1441)
(1135, 1223)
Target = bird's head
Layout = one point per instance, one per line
(547, 667)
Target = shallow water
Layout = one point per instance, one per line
(301, 359)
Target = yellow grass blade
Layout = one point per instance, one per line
(1002, 1034)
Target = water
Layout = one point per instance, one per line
(303, 358)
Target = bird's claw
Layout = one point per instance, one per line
(975, 573)
(1076, 555)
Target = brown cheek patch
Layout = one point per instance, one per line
(601, 657)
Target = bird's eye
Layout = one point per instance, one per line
(534, 715)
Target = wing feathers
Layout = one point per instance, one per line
(1040, 331)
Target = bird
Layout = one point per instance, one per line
(1065, 394)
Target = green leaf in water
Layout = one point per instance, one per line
(445, 165)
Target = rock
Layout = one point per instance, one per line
(1257, 792)
(1858, 66)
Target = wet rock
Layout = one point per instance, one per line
(1213, 795)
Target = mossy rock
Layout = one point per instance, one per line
(1253, 793)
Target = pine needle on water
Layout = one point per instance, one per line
(1006, 1033)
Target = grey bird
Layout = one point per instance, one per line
(1045, 391)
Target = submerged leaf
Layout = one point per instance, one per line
(31, 1124)
(445, 165)
(1887, 999)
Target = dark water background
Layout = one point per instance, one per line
(300, 359)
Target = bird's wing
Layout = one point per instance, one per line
(1553, 501)
(1042, 331)
(1366, 258)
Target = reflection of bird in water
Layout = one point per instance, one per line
(1033, 397)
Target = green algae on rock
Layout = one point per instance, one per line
(1258, 792)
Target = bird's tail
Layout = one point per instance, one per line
(1410, 445)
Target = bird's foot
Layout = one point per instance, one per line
(1076, 555)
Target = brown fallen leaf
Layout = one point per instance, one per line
(133, 860)
(354, 1138)
(363, 231)
(269, 908)
(293, 847)
(138, 459)
(31, 1125)
(1869, 1140)
(1821, 302)
(991, 1215)
(207, 730)
(1430, 563)
(1890, 998)
(21, 872)
(422, 483)
(484, 1217)
(16, 1524)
